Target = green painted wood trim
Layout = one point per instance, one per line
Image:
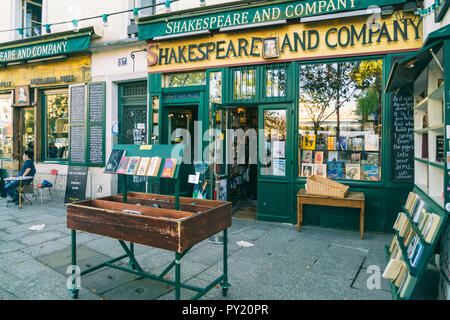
(101, 123)
(421, 160)
(446, 115)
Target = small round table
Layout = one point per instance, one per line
(20, 179)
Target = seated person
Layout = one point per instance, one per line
(28, 169)
(52, 150)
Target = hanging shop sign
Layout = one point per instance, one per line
(260, 14)
(292, 42)
(42, 50)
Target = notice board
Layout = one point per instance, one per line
(402, 135)
(76, 184)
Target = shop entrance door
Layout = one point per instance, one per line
(26, 131)
(275, 163)
(180, 126)
(133, 124)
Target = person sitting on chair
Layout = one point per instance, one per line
(28, 169)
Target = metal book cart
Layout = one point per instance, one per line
(172, 223)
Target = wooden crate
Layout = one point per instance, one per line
(163, 227)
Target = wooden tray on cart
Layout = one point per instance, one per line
(163, 227)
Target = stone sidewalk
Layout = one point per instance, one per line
(282, 264)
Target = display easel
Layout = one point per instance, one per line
(164, 152)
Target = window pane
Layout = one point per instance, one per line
(274, 157)
(340, 120)
(5, 126)
(244, 84)
(215, 87)
(185, 79)
(33, 18)
(276, 82)
(57, 126)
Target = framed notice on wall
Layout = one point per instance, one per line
(87, 124)
(22, 96)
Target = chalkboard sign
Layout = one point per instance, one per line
(402, 106)
(77, 103)
(76, 184)
(96, 94)
(96, 144)
(77, 146)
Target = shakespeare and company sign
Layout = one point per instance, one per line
(260, 14)
(295, 42)
(43, 50)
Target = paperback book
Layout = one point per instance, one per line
(307, 170)
(153, 167)
(307, 156)
(331, 143)
(371, 142)
(370, 172)
(356, 158)
(320, 170)
(309, 142)
(342, 143)
(133, 165)
(357, 144)
(372, 158)
(353, 171)
(169, 168)
(332, 156)
(114, 161)
(143, 166)
(122, 168)
(318, 157)
(335, 170)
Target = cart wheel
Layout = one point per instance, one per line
(131, 265)
(74, 293)
(224, 292)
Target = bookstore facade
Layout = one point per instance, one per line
(313, 91)
(36, 74)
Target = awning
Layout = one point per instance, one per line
(42, 47)
(409, 69)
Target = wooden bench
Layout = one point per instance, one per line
(352, 200)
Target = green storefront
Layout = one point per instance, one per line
(303, 81)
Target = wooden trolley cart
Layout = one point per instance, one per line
(167, 222)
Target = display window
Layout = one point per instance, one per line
(340, 123)
(5, 126)
(56, 119)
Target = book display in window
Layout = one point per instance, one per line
(307, 170)
(353, 171)
(320, 170)
(169, 168)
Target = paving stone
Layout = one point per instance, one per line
(10, 246)
(315, 286)
(360, 282)
(6, 295)
(139, 289)
(40, 237)
(43, 248)
(7, 224)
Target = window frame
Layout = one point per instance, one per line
(384, 119)
(11, 124)
(44, 131)
(30, 28)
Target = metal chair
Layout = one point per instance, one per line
(41, 187)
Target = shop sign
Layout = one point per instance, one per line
(66, 78)
(43, 50)
(5, 84)
(292, 42)
(268, 13)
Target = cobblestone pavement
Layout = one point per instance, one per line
(282, 264)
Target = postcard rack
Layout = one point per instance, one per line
(166, 222)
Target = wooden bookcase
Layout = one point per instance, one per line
(429, 124)
(431, 92)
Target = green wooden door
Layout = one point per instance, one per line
(275, 165)
(133, 124)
